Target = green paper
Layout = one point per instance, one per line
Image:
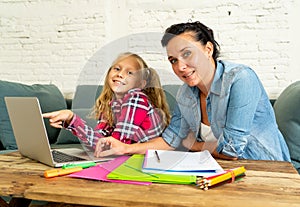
(132, 170)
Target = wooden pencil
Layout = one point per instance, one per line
(205, 182)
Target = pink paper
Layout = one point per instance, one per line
(100, 172)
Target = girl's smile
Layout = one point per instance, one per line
(124, 76)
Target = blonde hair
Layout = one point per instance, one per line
(152, 89)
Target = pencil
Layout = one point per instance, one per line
(205, 182)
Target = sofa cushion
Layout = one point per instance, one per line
(50, 99)
(287, 114)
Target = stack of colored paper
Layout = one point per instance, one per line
(101, 171)
(131, 169)
(160, 166)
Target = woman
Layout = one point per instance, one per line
(222, 106)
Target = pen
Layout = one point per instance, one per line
(157, 157)
(59, 172)
(83, 165)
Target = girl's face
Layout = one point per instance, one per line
(191, 61)
(125, 75)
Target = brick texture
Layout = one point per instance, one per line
(73, 42)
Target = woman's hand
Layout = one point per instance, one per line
(57, 118)
(217, 155)
(191, 143)
(110, 146)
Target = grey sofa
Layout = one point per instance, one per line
(287, 112)
(50, 99)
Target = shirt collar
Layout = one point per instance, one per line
(121, 100)
(217, 82)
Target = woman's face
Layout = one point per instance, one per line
(125, 75)
(191, 61)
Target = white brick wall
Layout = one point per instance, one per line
(68, 42)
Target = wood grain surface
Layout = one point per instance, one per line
(267, 183)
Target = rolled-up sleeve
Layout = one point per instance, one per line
(177, 130)
(243, 100)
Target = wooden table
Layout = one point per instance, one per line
(266, 183)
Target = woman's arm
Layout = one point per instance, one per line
(193, 145)
(245, 93)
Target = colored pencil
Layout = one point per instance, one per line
(205, 182)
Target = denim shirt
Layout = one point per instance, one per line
(240, 114)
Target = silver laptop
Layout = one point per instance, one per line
(31, 137)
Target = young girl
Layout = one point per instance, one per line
(131, 107)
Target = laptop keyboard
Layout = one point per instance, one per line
(60, 157)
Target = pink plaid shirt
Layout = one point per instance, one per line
(135, 120)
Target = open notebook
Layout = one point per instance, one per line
(180, 162)
(31, 137)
